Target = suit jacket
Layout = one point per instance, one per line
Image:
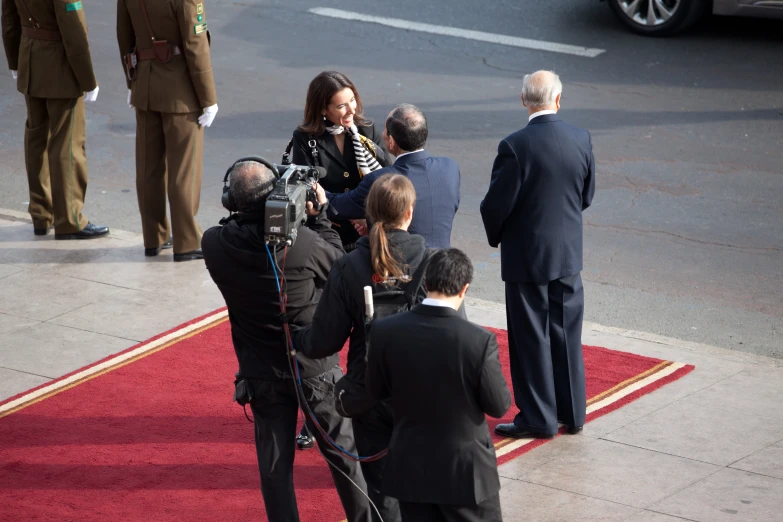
(48, 69)
(542, 180)
(436, 181)
(183, 84)
(442, 375)
(342, 174)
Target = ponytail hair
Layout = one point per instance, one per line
(387, 205)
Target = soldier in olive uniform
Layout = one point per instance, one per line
(46, 42)
(165, 52)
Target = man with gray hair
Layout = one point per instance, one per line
(436, 179)
(237, 258)
(542, 180)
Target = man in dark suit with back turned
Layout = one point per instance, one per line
(542, 180)
(442, 375)
(435, 179)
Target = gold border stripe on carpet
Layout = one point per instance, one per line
(620, 391)
(113, 363)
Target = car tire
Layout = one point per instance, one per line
(680, 15)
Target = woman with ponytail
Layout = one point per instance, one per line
(388, 259)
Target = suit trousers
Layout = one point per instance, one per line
(486, 511)
(545, 348)
(56, 163)
(373, 432)
(169, 148)
(275, 412)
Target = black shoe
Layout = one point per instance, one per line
(89, 232)
(304, 442)
(152, 252)
(189, 256)
(41, 231)
(573, 430)
(515, 432)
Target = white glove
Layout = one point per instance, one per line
(92, 95)
(13, 73)
(206, 119)
(129, 103)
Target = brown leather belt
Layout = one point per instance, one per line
(41, 34)
(149, 54)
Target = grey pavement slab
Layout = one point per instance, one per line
(728, 496)
(11, 323)
(610, 471)
(525, 502)
(651, 516)
(13, 382)
(767, 461)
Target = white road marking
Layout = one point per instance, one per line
(480, 36)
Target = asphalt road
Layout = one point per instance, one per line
(685, 238)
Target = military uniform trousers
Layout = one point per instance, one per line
(168, 161)
(486, 511)
(275, 411)
(56, 163)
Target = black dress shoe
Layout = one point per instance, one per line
(41, 231)
(305, 441)
(573, 430)
(189, 256)
(152, 252)
(515, 432)
(89, 232)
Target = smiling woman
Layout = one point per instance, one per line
(336, 135)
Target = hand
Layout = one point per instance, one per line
(92, 95)
(360, 225)
(320, 194)
(206, 119)
(13, 73)
(129, 102)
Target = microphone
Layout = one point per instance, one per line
(281, 169)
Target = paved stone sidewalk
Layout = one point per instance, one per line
(708, 447)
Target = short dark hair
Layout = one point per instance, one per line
(407, 124)
(448, 271)
(250, 183)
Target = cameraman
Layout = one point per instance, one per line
(237, 259)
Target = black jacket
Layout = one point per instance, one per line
(542, 180)
(337, 166)
(237, 260)
(442, 374)
(340, 313)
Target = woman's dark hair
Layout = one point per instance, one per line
(387, 203)
(319, 96)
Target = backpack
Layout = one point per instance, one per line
(351, 398)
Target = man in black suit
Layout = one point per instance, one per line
(442, 375)
(542, 180)
(435, 179)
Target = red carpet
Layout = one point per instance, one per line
(152, 434)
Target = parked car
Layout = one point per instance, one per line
(662, 17)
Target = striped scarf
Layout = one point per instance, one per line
(363, 148)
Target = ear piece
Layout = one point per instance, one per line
(225, 198)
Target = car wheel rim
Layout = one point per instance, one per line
(650, 12)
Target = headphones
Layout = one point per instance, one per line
(226, 199)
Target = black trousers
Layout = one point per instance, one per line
(545, 348)
(275, 411)
(373, 432)
(486, 511)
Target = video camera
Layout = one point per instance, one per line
(285, 206)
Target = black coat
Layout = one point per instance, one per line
(238, 262)
(342, 173)
(340, 312)
(442, 374)
(542, 180)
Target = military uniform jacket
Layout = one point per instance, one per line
(184, 83)
(48, 69)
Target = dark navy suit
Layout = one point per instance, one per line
(436, 181)
(542, 180)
